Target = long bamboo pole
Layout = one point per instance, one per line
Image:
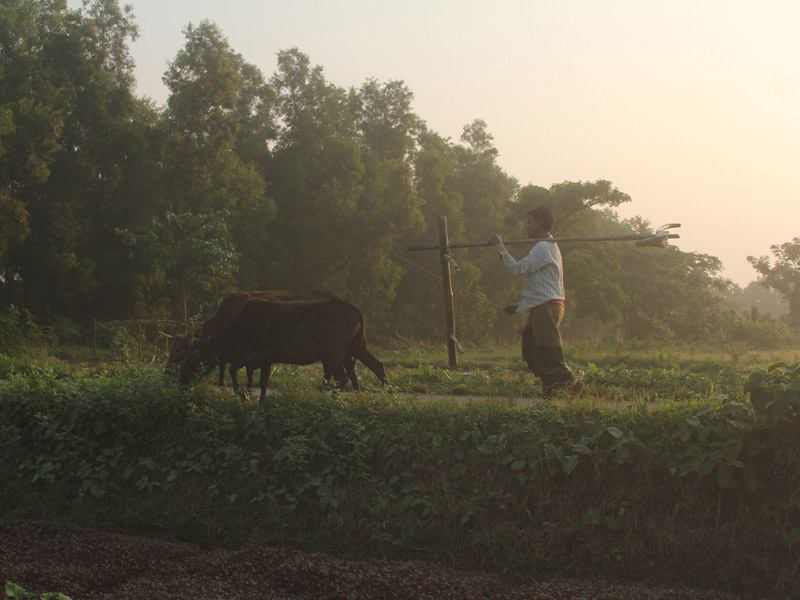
(634, 237)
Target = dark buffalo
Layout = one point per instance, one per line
(299, 333)
(226, 312)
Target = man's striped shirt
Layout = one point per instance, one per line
(544, 271)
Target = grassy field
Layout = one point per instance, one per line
(613, 374)
(661, 472)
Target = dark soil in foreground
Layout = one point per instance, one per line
(86, 564)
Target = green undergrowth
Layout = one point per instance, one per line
(698, 490)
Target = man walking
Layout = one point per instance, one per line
(543, 299)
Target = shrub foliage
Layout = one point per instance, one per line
(701, 492)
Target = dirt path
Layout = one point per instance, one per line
(91, 565)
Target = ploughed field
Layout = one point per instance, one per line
(91, 565)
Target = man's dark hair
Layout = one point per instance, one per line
(544, 216)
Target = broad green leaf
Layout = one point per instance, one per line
(724, 476)
(568, 463)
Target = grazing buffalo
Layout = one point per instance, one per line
(226, 312)
(299, 333)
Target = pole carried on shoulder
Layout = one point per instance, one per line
(659, 240)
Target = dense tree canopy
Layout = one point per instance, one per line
(112, 207)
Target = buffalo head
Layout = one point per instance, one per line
(200, 357)
(177, 354)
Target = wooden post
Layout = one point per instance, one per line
(449, 311)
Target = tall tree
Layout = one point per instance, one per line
(315, 175)
(570, 198)
(209, 98)
(418, 301)
(384, 118)
(343, 201)
(32, 108)
(668, 292)
(487, 194)
(783, 275)
(76, 67)
(220, 124)
(388, 210)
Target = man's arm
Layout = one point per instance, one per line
(532, 262)
(496, 241)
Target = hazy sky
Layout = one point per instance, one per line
(692, 107)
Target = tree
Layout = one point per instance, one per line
(570, 198)
(487, 194)
(343, 201)
(113, 27)
(667, 292)
(209, 99)
(32, 107)
(316, 179)
(783, 276)
(418, 299)
(480, 142)
(183, 257)
(219, 123)
(384, 118)
(78, 150)
(756, 299)
(593, 288)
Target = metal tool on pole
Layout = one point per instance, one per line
(659, 239)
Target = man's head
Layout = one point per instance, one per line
(540, 222)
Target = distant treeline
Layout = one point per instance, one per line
(112, 207)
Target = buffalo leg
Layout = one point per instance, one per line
(250, 371)
(327, 373)
(349, 364)
(234, 380)
(264, 382)
(335, 368)
(349, 367)
(221, 382)
(373, 364)
(341, 376)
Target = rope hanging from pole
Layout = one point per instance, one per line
(463, 289)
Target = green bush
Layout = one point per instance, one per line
(764, 333)
(15, 326)
(775, 392)
(682, 492)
